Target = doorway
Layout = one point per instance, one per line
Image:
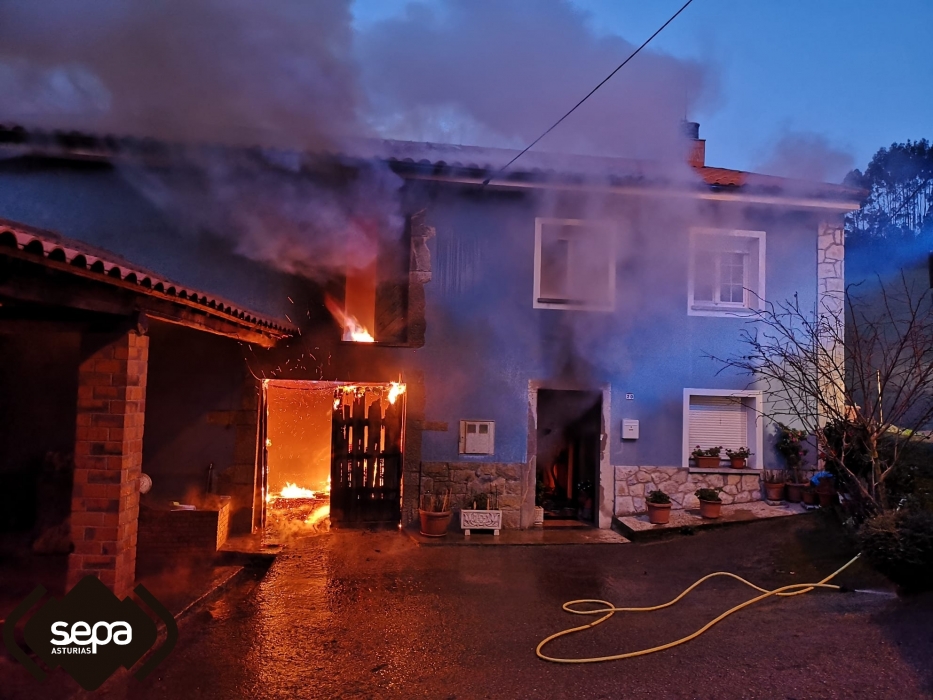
(332, 454)
(568, 456)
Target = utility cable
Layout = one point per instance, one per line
(587, 96)
(609, 610)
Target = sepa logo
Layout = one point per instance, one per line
(90, 633)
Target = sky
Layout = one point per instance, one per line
(832, 79)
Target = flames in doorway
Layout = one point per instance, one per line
(294, 504)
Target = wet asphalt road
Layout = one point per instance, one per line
(372, 615)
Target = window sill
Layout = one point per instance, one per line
(696, 310)
(570, 305)
(377, 344)
(725, 470)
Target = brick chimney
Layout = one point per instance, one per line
(696, 156)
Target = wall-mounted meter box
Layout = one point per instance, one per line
(477, 437)
(629, 429)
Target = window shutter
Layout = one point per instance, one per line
(718, 420)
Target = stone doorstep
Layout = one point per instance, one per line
(638, 527)
(518, 538)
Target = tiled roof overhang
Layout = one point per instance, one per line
(78, 259)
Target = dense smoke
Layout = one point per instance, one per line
(499, 74)
(274, 73)
(298, 76)
(807, 156)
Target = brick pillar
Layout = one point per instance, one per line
(108, 459)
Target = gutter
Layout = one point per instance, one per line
(716, 196)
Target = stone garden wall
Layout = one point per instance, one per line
(465, 479)
(632, 483)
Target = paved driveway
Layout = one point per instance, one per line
(372, 615)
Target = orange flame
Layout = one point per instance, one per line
(395, 390)
(291, 490)
(353, 330)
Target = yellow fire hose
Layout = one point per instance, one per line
(609, 610)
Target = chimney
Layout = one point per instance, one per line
(696, 156)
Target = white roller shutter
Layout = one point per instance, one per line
(718, 420)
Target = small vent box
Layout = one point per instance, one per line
(477, 437)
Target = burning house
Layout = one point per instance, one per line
(433, 325)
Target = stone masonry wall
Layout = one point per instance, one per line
(468, 478)
(632, 483)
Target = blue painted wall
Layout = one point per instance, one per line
(485, 341)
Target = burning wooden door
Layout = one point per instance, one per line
(366, 460)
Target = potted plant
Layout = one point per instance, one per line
(825, 488)
(738, 458)
(706, 459)
(479, 515)
(790, 445)
(710, 502)
(540, 490)
(774, 485)
(435, 514)
(659, 507)
(809, 496)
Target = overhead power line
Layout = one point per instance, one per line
(587, 96)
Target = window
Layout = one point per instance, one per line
(374, 307)
(575, 265)
(477, 437)
(727, 272)
(730, 419)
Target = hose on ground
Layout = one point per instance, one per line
(608, 610)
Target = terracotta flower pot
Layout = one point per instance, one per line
(795, 492)
(707, 462)
(434, 524)
(774, 492)
(827, 498)
(659, 513)
(809, 497)
(738, 462)
(710, 509)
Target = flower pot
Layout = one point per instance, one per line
(738, 462)
(809, 497)
(774, 492)
(795, 492)
(707, 462)
(434, 524)
(710, 509)
(539, 515)
(659, 513)
(481, 520)
(827, 498)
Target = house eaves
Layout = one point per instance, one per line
(147, 292)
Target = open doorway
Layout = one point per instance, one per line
(332, 454)
(568, 455)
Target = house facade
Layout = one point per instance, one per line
(552, 326)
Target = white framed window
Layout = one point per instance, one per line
(575, 265)
(723, 417)
(727, 272)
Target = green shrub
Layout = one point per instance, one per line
(708, 495)
(658, 496)
(900, 545)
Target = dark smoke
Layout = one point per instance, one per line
(298, 76)
(500, 73)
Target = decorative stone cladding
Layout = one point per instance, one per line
(465, 479)
(830, 266)
(632, 483)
